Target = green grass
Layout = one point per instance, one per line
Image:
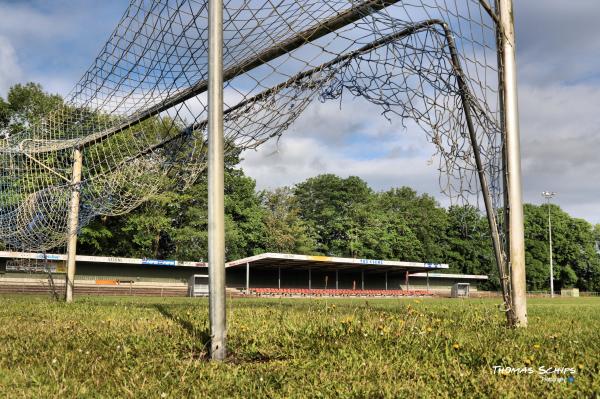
(141, 347)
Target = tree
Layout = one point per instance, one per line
(285, 231)
(383, 235)
(26, 105)
(423, 217)
(537, 258)
(174, 224)
(574, 249)
(469, 244)
(349, 219)
(329, 205)
(568, 277)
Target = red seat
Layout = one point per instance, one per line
(335, 292)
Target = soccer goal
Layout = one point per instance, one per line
(179, 83)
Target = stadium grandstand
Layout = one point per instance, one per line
(269, 274)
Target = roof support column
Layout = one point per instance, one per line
(279, 277)
(310, 278)
(362, 280)
(386, 281)
(247, 277)
(427, 280)
(337, 286)
(406, 280)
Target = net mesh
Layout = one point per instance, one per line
(139, 112)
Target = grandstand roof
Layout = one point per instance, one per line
(291, 261)
(102, 259)
(267, 260)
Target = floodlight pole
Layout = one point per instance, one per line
(73, 223)
(216, 165)
(516, 239)
(548, 195)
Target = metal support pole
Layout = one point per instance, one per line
(309, 278)
(216, 209)
(406, 280)
(279, 277)
(337, 286)
(516, 241)
(362, 280)
(73, 224)
(386, 281)
(247, 277)
(428, 281)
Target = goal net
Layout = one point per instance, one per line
(138, 114)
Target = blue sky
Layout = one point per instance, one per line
(54, 41)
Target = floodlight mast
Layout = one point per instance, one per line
(514, 205)
(216, 209)
(549, 195)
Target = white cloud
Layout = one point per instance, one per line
(560, 135)
(10, 71)
(297, 158)
(355, 140)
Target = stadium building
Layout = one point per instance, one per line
(265, 274)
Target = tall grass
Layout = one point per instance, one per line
(156, 347)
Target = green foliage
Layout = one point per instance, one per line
(423, 217)
(174, 224)
(286, 231)
(469, 247)
(347, 348)
(596, 233)
(568, 277)
(25, 105)
(576, 261)
(331, 205)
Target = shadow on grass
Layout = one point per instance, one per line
(202, 336)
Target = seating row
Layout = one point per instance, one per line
(334, 292)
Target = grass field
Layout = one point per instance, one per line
(155, 348)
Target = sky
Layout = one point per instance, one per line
(558, 53)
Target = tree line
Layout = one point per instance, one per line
(335, 216)
(325, 215)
